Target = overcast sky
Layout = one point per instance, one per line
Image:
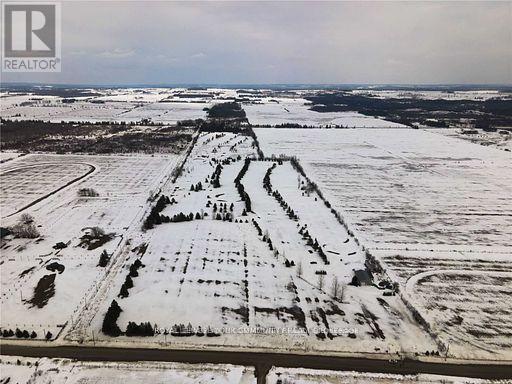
(131, 42)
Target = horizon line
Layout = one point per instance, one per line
(254, 85)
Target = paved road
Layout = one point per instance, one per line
(262, 361)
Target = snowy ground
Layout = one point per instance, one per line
(222, 274)
(123, 183)
(280, 110)
(480, 95)
(422, 201)
(57, 371)
(434, 210)
(499, 139)
(119, 105)
(390, 183)
(169, 105)
(309, 376)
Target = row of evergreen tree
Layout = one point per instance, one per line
(224, 217)
(196, 188)
(215, 179)
(313, 244)
(181, 217)
(142, 329)
(223, 207)
(257, 226)
(154, 217)
(289, 211)
(244, 196)
(267, 185)
(21, 334)
(128, 282)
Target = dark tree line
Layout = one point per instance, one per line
(19, 334)
(142, 329)
(244, 196)
(110, 326)
(215, 179)
(128, 281)
(196, 188)
(154, 217)
(313, 244)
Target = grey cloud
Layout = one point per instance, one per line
(284, 42)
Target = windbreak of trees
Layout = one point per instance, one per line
(241, 189)
(142, 329)
(20, 334)
(155, 217)
(128, 282)
(215, 179)
(110, 326)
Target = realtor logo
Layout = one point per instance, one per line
(31, 37)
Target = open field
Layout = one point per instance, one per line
(390, 183)
(36, 296)
(170, 105)
(309, 376)
(223, 277)
(390, 241)
(456, 192)
(57, 371)
(296, 110)
(231, 267)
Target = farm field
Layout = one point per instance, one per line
(309, 376)
(374, 240)
(455, 191)
(501, 139)
(44, 284)
(390, 183)
(59, 371)
(216, 281)
(295, 110)
(170, 105)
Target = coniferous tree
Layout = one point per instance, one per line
(110, 326)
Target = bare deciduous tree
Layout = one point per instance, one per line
(96, 232)
(321, 280)
(335, 288)
(299, 269)
(26, 231)
(26, 219)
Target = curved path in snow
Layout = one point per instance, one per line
(92, 168)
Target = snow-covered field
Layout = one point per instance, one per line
(112, 105)
(434, 95)
(223, 274)
(29, 370)
(59, 371)
(309, 376)
(422, 201)
(123, 184)
(391, 183)
(500, 139)
(281, 110)
(169, 105)
(434, 210)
